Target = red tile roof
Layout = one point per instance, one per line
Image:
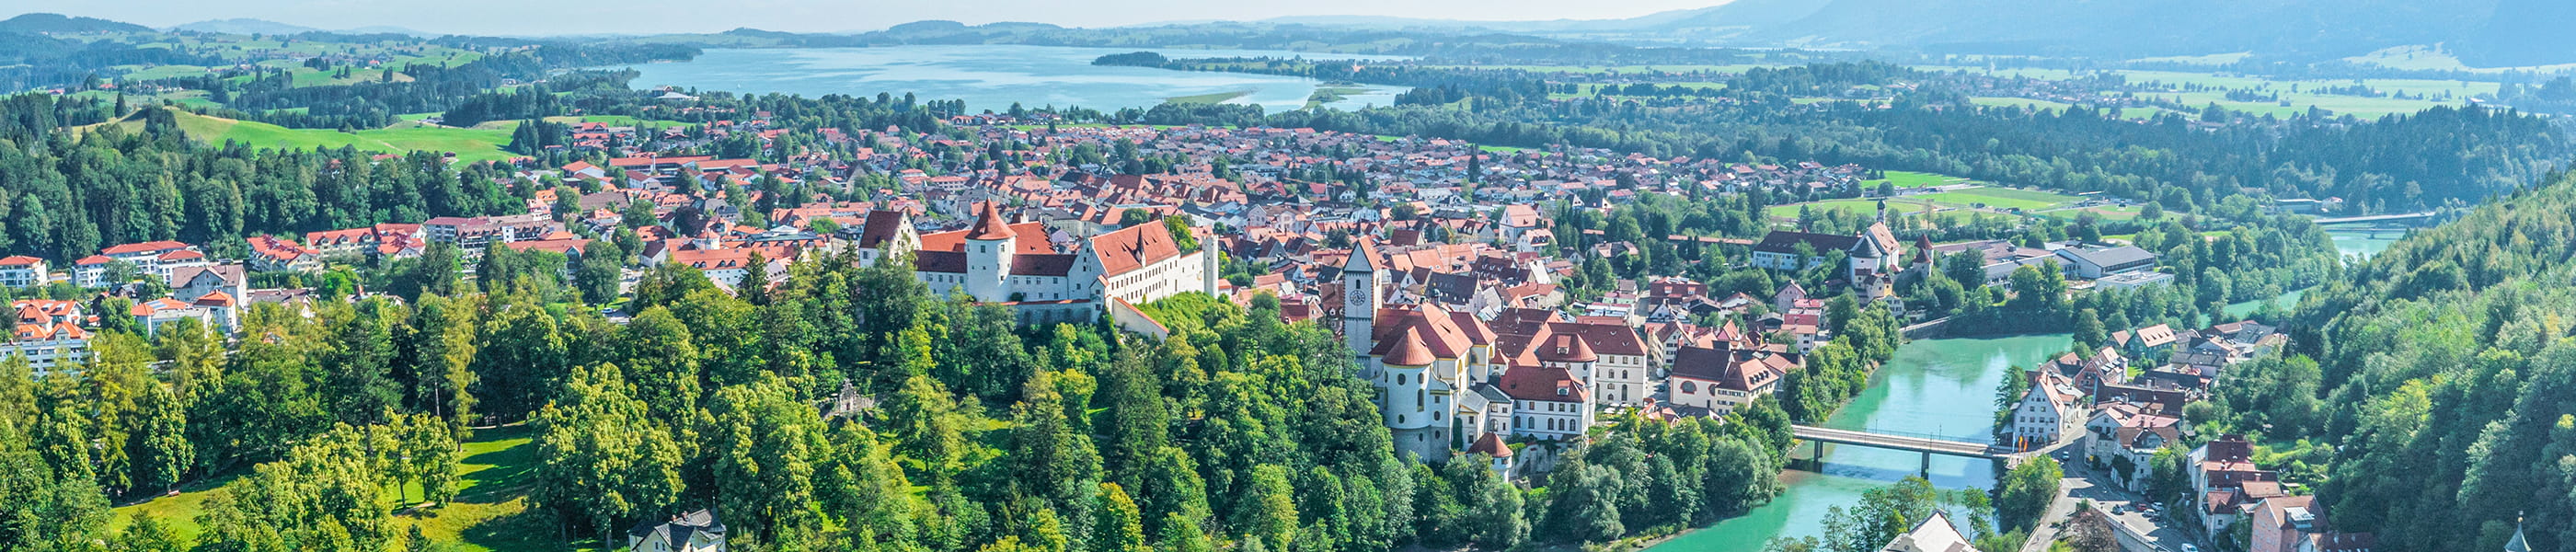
(1134, 247)
(989, 225)
(1409, 351)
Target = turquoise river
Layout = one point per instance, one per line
(1941, 387)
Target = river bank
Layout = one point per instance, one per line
(1932, 387)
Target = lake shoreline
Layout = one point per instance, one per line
(996, 77)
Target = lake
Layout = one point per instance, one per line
(992, 77)
(1940, 387)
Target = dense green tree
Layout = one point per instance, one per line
(520, 360)
(2026, 491)
(1121, 526)
(601, 459)
(1583, 503)
(768, 446)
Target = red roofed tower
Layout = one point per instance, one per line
(988, 255)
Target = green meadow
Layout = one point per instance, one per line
(469, 144)
(490, 513)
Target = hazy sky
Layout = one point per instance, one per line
(523, 17)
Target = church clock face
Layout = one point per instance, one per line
(1357, 298)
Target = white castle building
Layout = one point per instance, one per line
(1022, 266)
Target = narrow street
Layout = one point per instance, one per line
(2140, 532)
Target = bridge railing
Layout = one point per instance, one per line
(1911, 435)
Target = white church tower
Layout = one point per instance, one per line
(1361, 285)
(988, 255)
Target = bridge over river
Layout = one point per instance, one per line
(2376, 219)
(1928, 445)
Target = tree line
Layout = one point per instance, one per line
(2443, 359)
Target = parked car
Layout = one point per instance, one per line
(2189, 547)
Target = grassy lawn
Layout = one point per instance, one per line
(1862, 206)
(1329, 94)
(2000, 198)
(159, 72)
(2106, 213)
(491, 508)
(1907, 179)
(490, 512)
(469, 145)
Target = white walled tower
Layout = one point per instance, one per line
(988, 255)
(1360, 298)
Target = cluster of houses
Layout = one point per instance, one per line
(2127, 397)
(2122, 420)
(52, 333)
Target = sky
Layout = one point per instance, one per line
(551, 17)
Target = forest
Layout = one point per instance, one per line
(2443, 157)
(2446, 358)
(1239, 432)
(65, 192)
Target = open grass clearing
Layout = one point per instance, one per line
(1865, 206)
(1999, 198)
(1909, 179)
(490, 512)
(469, 144)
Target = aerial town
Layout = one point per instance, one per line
(1440, 264)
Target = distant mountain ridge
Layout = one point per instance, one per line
(244, 26)
(2483, 32)
(59, 23)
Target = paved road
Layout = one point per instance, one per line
(2145, 533)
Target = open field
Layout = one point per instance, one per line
(267, 50)
(1851, 205)
(469, 144)
(2106, 213)
(2299, 94)
(2211, 59)
(489, 513)
(1907, 179)
(2433, 59)
(1999, 198)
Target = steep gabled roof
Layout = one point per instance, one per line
(989, 224)
(1134, 247)
(1536, 383)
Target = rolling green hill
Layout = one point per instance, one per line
(469, 144)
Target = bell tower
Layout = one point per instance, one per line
(1361, 285)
